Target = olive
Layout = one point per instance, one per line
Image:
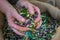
(23, 24)
(35, 15)
(28, 22)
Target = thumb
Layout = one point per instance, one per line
(18, 17)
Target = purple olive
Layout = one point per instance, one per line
(28, 21)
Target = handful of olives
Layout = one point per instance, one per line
(29, 19)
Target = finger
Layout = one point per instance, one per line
(19, 27)
(18, 17)
(28, 6)
(17, 32)
(38, 25)
(30, 9)
(12, 24)
(37, 10)
(38, 17)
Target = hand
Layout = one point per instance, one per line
(32, 9)
(11, 16)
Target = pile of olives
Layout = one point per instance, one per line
(45, 32)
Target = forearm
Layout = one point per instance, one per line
(5, 6)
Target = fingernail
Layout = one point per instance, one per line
(22, 19)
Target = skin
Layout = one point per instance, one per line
(12, 14)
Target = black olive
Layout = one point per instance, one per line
(35, 15)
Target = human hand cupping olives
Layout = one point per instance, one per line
(32, 9)
(12, 14)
